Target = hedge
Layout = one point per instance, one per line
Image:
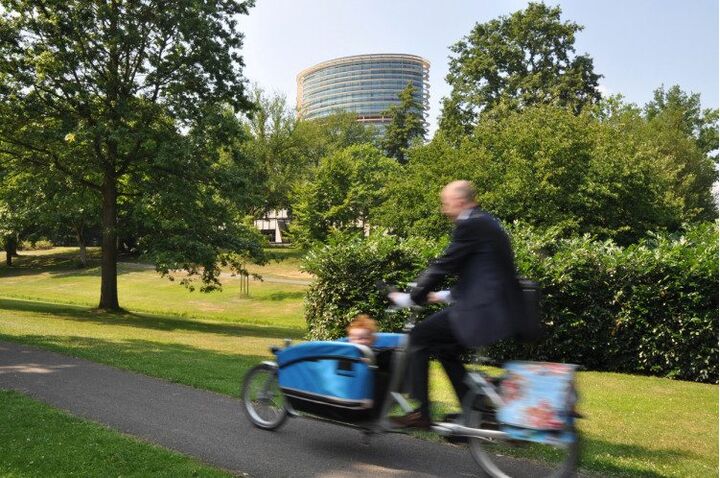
(650, 308)
(346, 273)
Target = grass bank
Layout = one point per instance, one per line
(37, 440)
(53, 276)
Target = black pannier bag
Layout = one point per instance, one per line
(528, 327)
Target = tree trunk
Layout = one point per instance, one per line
(9, 250)
(11, 244)
(108, 283)
(81, 242)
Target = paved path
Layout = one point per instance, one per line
(212, 427)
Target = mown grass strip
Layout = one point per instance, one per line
(38, 440)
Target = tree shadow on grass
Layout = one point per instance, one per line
(148, 321)
(200, 368)
(57, 264)
(282, 295)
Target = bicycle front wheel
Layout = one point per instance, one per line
(500, 458)
(263, 401)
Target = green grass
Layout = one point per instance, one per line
(37, 440)
(205, 354)
(636, 426)
(53, 276)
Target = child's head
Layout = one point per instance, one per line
(362, 330)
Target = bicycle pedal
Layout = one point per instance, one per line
(454, 439)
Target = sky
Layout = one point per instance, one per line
(637, 45)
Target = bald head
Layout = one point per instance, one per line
(456, 197)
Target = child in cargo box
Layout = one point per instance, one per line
(362, 330)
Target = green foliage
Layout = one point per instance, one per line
(37, 245)
(685, 136)
(287, 148)
(324, 136)
(684, 112)
(347, 186)
(346, 272)
(650, 308)
(407, 123)
(274, 142)
(514, 62)
(412, 205)
(34, 206)
(197, 222)
(608, 172)
(106, 93)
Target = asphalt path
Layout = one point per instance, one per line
(213, 428)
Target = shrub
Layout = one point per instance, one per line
(668, 305)
(346, 272)
(39, 245)
(650, 308)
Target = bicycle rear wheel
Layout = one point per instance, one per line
(263, 401)
(517, 459)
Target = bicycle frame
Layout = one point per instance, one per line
(478, 387)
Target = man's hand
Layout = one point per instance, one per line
(439, 296)
(401, 299)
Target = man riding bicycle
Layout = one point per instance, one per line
(487, 299)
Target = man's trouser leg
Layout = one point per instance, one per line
(433, 337)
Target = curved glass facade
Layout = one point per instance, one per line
(363, 84)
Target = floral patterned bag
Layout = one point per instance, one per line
(539, 398)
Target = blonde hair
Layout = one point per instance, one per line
(362, 321)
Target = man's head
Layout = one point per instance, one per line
(456, 197)
(362, 330)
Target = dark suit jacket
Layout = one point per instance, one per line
(487, 297)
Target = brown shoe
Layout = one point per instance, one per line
(411, 420)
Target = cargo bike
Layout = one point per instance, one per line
(528, 411)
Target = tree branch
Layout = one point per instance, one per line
(55, 161)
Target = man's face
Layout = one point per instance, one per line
(452, 203)
(360, 337)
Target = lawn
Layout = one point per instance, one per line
(37, 440)
(53, 277)
(636, 426)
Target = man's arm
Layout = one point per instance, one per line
(464, 243)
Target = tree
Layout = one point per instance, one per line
(47, 206)
(287, 148)
(11, 223)
(101, 90)
(514, 62)
(273, 143)
(406, 124)
(686, 115)
(607, 172)
(686, 138)
(195, 217)
(347, 186)
(324, 136)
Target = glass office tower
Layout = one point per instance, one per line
(363, 84)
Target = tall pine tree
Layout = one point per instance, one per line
(407, 122)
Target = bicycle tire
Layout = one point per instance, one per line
(263, 401)
(501, 458)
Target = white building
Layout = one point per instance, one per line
(274, 225)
